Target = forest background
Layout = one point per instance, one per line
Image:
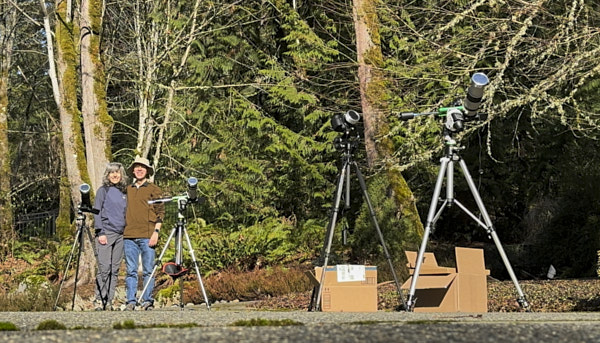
(240, 94)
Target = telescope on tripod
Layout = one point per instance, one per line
(85, 206)
(175, 269)
(455, 117)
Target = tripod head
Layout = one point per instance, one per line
(182, 202)
(348, 142)
(454, 117)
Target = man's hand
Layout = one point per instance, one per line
(153, 239)
(102, 240)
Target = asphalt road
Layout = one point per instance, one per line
(218, 325)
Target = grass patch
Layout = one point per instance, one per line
(266, 322)
(8, 326)
(51, 324)
(124, 325)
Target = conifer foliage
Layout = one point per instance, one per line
(240, 94)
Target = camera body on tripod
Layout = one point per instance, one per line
(346, 125)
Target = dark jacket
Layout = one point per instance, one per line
(111, 203)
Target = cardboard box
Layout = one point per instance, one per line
(347, 288)
(446, 289)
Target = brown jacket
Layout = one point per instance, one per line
(141, 217)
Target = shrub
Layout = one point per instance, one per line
(37, 296)
(262, 283)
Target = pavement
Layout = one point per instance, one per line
(221, 324)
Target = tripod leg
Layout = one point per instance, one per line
(181, 293)
(139, 300)
(80, 239)
(316, 303)
(179, 257)
(75, 243)
(492, 232)
(431, 219)
(191, 249)
(363, 186)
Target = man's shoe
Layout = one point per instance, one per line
(130, 307)
(147, 306)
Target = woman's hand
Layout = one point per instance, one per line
(102, 240)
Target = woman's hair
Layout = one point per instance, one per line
(113, 167)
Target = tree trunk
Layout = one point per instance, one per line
(147, 50)
(369, 55)
(64, 81)
(96, 121)
(373, 96)
(7, 233)
(65, 92)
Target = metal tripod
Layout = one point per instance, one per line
(178, 232)
(348, 144)
(447, 170)
(78, 243)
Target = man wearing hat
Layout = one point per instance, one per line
(143, 222)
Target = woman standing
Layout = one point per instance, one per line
(111, 201)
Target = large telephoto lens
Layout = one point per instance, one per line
(192, 191)
(475, 94)
(84, 189)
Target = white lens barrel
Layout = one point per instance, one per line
(352, 117)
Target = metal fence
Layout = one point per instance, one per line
(36, 224)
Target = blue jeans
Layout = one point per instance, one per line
(133, 248)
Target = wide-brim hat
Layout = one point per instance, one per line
(143, 161)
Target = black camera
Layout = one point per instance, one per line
(345, 122)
